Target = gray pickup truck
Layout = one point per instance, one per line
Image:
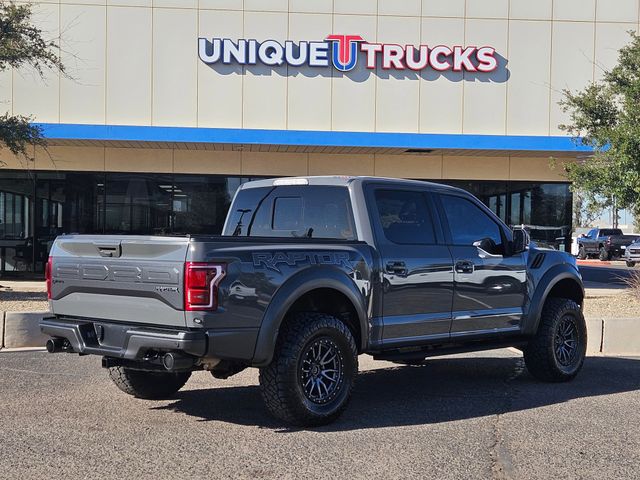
(605, 243)
(308, 274)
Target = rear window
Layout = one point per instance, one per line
(606, 232)
(292, 211)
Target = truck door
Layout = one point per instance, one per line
(591, 241)
(417, 269)
(489, 285)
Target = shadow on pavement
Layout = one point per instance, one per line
(442, 390)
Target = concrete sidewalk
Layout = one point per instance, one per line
(596, 289)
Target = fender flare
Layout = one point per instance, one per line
(294, 288)
(549, 280)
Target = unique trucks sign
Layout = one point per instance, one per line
(342, 52)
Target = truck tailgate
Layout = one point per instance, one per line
(132, 279)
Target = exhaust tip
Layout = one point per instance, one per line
(173, 361)
(54, 345)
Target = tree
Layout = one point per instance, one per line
(585, 212)
(606, 116)
(22, 44)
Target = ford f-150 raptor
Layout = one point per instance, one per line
(309, 273)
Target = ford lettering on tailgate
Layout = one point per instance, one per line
(119, 273)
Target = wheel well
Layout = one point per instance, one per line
(332, 302)
(567, 288)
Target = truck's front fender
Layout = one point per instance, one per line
(293, 289)
(543, 287)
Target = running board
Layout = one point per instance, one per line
(438, 350)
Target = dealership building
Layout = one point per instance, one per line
(167, 106)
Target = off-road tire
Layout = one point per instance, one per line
(282, 381)
(148, 385)
(541, 355)
(604, 255)
(582, 253)
(631, 264)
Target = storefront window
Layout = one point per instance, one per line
(138, 204)
(35, 207)
(200, 203)
(16, 239)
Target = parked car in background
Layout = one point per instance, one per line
(632, 254)
(604, 243)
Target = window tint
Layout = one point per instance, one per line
(292, 211)
(607, 232)
(468, 223)
(287, 213)
(405, 217)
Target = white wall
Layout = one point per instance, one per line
(135, 62)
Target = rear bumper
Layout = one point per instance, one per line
(617, 251)
(123, 341)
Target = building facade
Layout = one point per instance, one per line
(168, 105)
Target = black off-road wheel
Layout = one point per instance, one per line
(557, 352)
(148, 385)
(604, 255)
(582, 253)
(310, 379)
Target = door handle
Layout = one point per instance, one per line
(465, 266)
(396, 268)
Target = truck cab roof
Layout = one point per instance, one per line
(345, 181)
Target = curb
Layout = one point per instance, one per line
(621, 337)
(22, 330)
(606, 336)
(595, 331)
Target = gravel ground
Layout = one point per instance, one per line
(472, 416)
(23, 297)
(622, 305)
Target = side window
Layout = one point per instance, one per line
(469, 223)
(405, 217)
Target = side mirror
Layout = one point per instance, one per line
(521, 240)
(486, 244)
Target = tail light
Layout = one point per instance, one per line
(608, 242)
(47, 276)
(201, 282)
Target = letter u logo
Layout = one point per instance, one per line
(344, 51)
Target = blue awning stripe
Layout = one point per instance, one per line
(310, 138)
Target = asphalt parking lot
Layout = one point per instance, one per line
(470, 416)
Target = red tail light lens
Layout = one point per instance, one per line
(201, 282)
(47, 276)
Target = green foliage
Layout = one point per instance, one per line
(22, 44)
(606, 116)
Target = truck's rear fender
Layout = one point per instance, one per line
(561, 280)
(301, 284)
